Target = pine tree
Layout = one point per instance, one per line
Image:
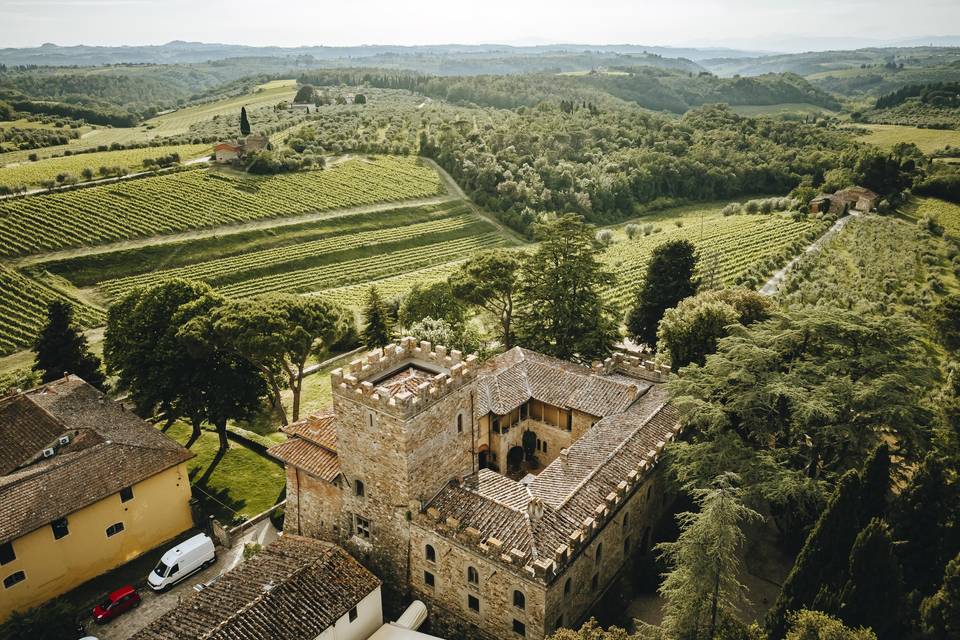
(940, 613)
(62, 348)
(819, 569)
(376, 333)
(701, 588)
(669, 280)
(876, 483)
(873, 595)
(244, 123)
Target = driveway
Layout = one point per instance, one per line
(155, 604)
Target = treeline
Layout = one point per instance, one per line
(93, 115)
(941, 94)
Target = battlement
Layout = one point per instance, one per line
(633, 366)
(440, 372)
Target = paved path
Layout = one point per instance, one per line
(155, 605)
(773, 284)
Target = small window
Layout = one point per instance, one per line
(428, 579)
(60, 528)
(519, 628)
(567, 587)
(474, 603)
(599, 551)
(626, 519)
(6, 553)
(594, 581)
(430, 553)
(361, 527)
(14, 578)
(459, 423)
(496, 425)
(114, 529)
(524, 411)
(370, 420)
(352, 614)
(544, 446)
(473, 576)
(126, 494)
(359, 488)
(519, 600)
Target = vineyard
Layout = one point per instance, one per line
(201, 199)
(288, 258)
(946, 213)
(24, 310)
(730, 248)
(34, 173)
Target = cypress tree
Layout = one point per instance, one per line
(818, 572)
(244, 123)
(61, 348)
(669, 280)
(876, 483)
(376, 333)
(873, 595)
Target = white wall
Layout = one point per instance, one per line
(369, 619)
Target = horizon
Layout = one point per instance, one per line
(748, 25)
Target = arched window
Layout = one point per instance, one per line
(519, 600)
(473, 576)
(431, 553)
(359, 488)
(459, 423)
(599, 551)
(567, 586)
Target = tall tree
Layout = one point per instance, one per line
(669, 279)
(940, 613)
(62, 348)
(435, 301)
(244, 123)
(816, 625)
(876, 481)
(701, 586)
(563, 312)
(305, 93)
(277, 334)
(376, 331)
(490, 281)
(873, 595)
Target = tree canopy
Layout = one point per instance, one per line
(669, 279)
(62, 348)
(491, 281)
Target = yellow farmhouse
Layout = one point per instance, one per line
(85, 486)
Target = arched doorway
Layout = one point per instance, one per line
(515, 458)
(483, 457)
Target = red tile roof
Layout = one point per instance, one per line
(311, 446)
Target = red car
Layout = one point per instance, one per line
(117, 603)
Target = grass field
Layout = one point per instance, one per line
(787, 108)
(33, 173)
(947, 213)
(201, 199)
(887, 135)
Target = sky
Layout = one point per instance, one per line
(754, 24)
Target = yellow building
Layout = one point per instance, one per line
(85, 486)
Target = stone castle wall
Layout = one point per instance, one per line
(313, 506)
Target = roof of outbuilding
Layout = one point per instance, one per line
(512, 378)
(295, 588)
(26, 431)
(110, 449)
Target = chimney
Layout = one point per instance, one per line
(535, 510)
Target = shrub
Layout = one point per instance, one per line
(647, 229)
(632, 230)
(605, 237)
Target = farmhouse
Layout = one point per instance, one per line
(845, 200)
(507, 495)
(295, 588)
(229, 152)
(85, 486)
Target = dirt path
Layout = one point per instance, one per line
(772, 286)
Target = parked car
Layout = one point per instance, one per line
(116, 603)
(182, 561)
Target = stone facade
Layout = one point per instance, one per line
(418, 431)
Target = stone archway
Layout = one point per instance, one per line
(515, 458)
(483, 457)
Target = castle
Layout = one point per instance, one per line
(508, 495)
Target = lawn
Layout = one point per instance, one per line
(929, 140)
(234, 487)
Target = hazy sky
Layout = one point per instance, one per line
(756, 23)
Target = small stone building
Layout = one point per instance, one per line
(507, 495)
(844, 201)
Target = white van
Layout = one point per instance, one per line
(182, 561)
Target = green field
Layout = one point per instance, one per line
(792, 108)
(947, 213)
(201, 199)
(23, 310)
(929, 140)
(33, 173)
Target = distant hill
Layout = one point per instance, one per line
(822, 62)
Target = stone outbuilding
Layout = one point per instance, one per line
(844, 201)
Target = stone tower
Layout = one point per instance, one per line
(405, 428)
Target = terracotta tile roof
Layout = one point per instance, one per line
(512, 378)
(311, 446)
(25, 430)
(295, 588)
(111, 449)
(569, 489)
